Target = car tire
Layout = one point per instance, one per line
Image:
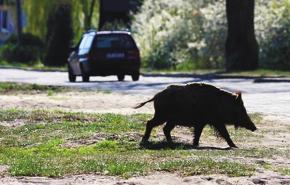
(85, 77)
(135, 77)
(71, 76)
(121, 77)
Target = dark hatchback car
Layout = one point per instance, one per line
(104, 53)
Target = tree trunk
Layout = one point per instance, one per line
(19, 22)
(88, 9)
(59, 33)
(242, 50)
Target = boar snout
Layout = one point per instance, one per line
(251, 126)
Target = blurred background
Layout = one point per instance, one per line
(172, 35)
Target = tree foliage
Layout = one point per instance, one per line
(29, 51)
(59, 24)
(36, 14)
(181, 31)
(84, 16)
(272, 24)
(195, 33)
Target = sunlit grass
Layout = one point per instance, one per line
(56, 143)
(261, 72)
(10, 88)
(20, 88)
(254, 73)
(36, 66)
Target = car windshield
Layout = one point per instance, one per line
(114, 41)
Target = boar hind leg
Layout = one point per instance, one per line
(150, 125)
(167, 129)
(224, 133)
(197, 132)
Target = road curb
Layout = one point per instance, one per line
(272, 80)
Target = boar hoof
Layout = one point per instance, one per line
(234, 147)
(144, 140)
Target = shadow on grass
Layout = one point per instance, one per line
(168, 145)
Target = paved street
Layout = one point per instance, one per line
(271, 98)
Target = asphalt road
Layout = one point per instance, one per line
(270, 98)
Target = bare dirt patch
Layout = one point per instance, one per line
(77, 102)
(121, 103)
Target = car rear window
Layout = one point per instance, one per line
(114, 41)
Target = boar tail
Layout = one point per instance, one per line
(142, 104)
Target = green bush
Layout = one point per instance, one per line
(273, 29)
(180, 32)
(27, 39)
(29, 50)
(195, 33)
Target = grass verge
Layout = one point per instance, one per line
(11, 88)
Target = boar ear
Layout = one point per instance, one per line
(239, 96)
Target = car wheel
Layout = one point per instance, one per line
(86, 77)
(71, 76)
(121, 77)
(135, 77)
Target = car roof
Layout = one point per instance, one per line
(95, 32)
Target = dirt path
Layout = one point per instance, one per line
(158, 178)
(122, 103)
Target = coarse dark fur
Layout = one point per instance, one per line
(196, 105)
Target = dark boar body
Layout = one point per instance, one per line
(196, 105)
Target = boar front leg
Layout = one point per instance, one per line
(221, 128)
(155, 121)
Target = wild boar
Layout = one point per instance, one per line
(196, 105)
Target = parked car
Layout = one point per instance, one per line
(104, 53)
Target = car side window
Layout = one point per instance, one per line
(86, 42)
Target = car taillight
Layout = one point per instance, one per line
(133, 55)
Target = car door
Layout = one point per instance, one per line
(80, 53)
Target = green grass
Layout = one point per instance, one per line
(37, 66)
(17, 88)
(285, 171)
(255, 73)
(259, 73)
(11, 88)
(57, 143)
